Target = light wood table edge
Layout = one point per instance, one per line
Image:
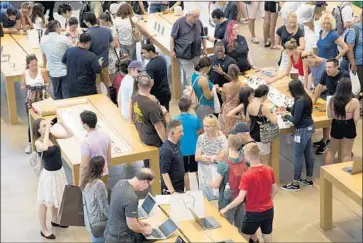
(326, 195)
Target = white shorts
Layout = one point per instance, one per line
(265, 148)
(284, 62)
(254, 8)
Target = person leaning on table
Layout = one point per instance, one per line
(10, 20)
(328, 83)
(123, 225)
(171, 160)
(186, 34)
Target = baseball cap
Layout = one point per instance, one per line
(137, 65)
(239, 128)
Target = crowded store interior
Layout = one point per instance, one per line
(181, 121)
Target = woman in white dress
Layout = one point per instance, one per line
(52, 179)
(32, 77)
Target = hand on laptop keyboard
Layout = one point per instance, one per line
(155, 234)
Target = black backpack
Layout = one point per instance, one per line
(85, 8)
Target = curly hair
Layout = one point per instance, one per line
(89, 118)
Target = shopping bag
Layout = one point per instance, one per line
(71, 208)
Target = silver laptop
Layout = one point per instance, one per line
(207, 223)
(146, 207)
(355, 169)
(163, 231)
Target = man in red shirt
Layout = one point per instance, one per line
(258, 187)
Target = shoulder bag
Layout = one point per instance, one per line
(136, 35)
(183, 49)
(268, 131)
(98, 228)
(36, 162)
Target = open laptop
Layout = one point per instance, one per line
(146, 207)
(207, 222)
(163, 231)
(355, 169)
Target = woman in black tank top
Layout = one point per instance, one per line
(257, 112)
(52, 179)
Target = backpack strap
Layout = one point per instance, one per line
(200, 97)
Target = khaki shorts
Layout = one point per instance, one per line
(265, 148)
(104, 77)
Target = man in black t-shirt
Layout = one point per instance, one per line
(220, 62)
(157, 69)
(328, 82)
(171, 160)
(82, 67)
(221, 25)
(148, 115)
(330, 78)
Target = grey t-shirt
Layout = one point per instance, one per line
(124, 203)
(189, 32)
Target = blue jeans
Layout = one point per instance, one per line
(345, 65)
(303, 148)
(97, 240)
(156, 8)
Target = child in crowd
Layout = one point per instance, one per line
(230, 172)
(73, 31)
(192, 127)
(258, 187)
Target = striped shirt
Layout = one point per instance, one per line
(212, 147)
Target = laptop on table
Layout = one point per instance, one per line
(146, 207)
(207, 223)
(355, 169)
(163, 231)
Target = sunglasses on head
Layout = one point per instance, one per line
(303, 57)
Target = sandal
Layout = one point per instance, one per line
(267, 44)
(255, 41)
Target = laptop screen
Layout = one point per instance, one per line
(168, 227)
(148, 204)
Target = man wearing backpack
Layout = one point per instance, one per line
(230, 172)
(343, 15)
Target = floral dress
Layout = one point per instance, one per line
(113, 58)
(231, 102)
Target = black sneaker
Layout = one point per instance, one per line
(306, 182)
(328, 142)
(290, 187)
(321, 149)
(319, 143)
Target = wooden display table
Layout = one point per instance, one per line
(334, 175)
(195, 233)
(23, 42)
(319, 117)
(12, 67)
(162, 41)
(110, 115)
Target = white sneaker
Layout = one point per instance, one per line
(28, 149)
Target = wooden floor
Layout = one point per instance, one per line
(296, 214)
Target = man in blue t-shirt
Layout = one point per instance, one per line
(101, 41)
(317, 68)
(192, 127)
(353, 60)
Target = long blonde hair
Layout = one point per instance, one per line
(213, 121)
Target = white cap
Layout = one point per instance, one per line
(305, 13)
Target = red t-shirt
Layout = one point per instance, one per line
(299, 65)
(257, 181)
